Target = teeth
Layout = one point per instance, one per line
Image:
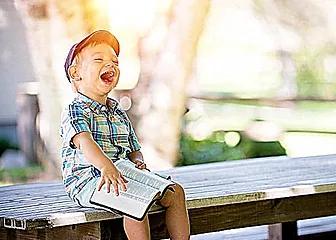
(108, 74)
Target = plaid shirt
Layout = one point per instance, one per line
(110, 128)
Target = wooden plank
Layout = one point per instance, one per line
(253, 233)
(242, 168)
(50, 206)
(217, 218)
(40, 202)
(231, 184)
(243, 234)
(316, 225)
(226, 175)
(48, 203)
(283, 231)
(281, 168)
(204, 200)
(269, 179)
(266, 181)
(31, 186)
(82, 217)
(276, 163)
(215, 176)
(269, 186)
(319, 236)
(88, 231)
(317, 228)
(8, 207)
(195, 190)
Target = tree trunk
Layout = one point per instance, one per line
(51, 28)
(288, 89)
(160, 96)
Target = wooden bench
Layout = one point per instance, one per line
(274, 191)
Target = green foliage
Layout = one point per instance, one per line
(311, 71)
(212, 150)
(20, 175)
(254, 149)
(16, 175)
(209, 150)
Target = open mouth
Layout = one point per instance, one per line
(107, 76)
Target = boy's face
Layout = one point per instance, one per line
(97, 71)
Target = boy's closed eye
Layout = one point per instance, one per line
(101, 60)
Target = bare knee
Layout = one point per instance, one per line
(174, 195)
(179, 191)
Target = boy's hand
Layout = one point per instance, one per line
(111, 176)
(139, 164)
(94, 154)
(137, 158)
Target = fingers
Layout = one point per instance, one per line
(140, 165)
(114, 182)
(101, 184)
(124, 179)
(122, 184)
(108, 186)
(116, 189)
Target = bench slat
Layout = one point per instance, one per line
(305, 227)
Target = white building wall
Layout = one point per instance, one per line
(15, 66)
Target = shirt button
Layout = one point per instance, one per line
(103, 108)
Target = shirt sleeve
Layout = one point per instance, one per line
(73, 121)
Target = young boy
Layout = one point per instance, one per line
(96, 132)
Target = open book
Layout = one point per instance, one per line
(143, 189)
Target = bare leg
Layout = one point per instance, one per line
(177, 220)
(138, 230)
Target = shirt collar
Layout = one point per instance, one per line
(95, 106)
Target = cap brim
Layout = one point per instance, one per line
(99, 36)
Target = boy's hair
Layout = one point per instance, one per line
(99, 36)
(77, 57)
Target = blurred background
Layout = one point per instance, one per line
(202, 81)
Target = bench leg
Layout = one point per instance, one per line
(85, 231)
(283, 231)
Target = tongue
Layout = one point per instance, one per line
(107, 77)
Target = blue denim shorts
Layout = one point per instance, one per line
(83, 197)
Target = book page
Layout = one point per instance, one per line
(139, 191)
(143, 188)
(134, 202)
(128, 169)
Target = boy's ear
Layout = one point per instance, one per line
(73, 73)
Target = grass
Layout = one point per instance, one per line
(19, 175)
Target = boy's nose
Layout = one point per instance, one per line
(109, 64)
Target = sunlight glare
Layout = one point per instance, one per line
(129, 20)
(232, 139)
